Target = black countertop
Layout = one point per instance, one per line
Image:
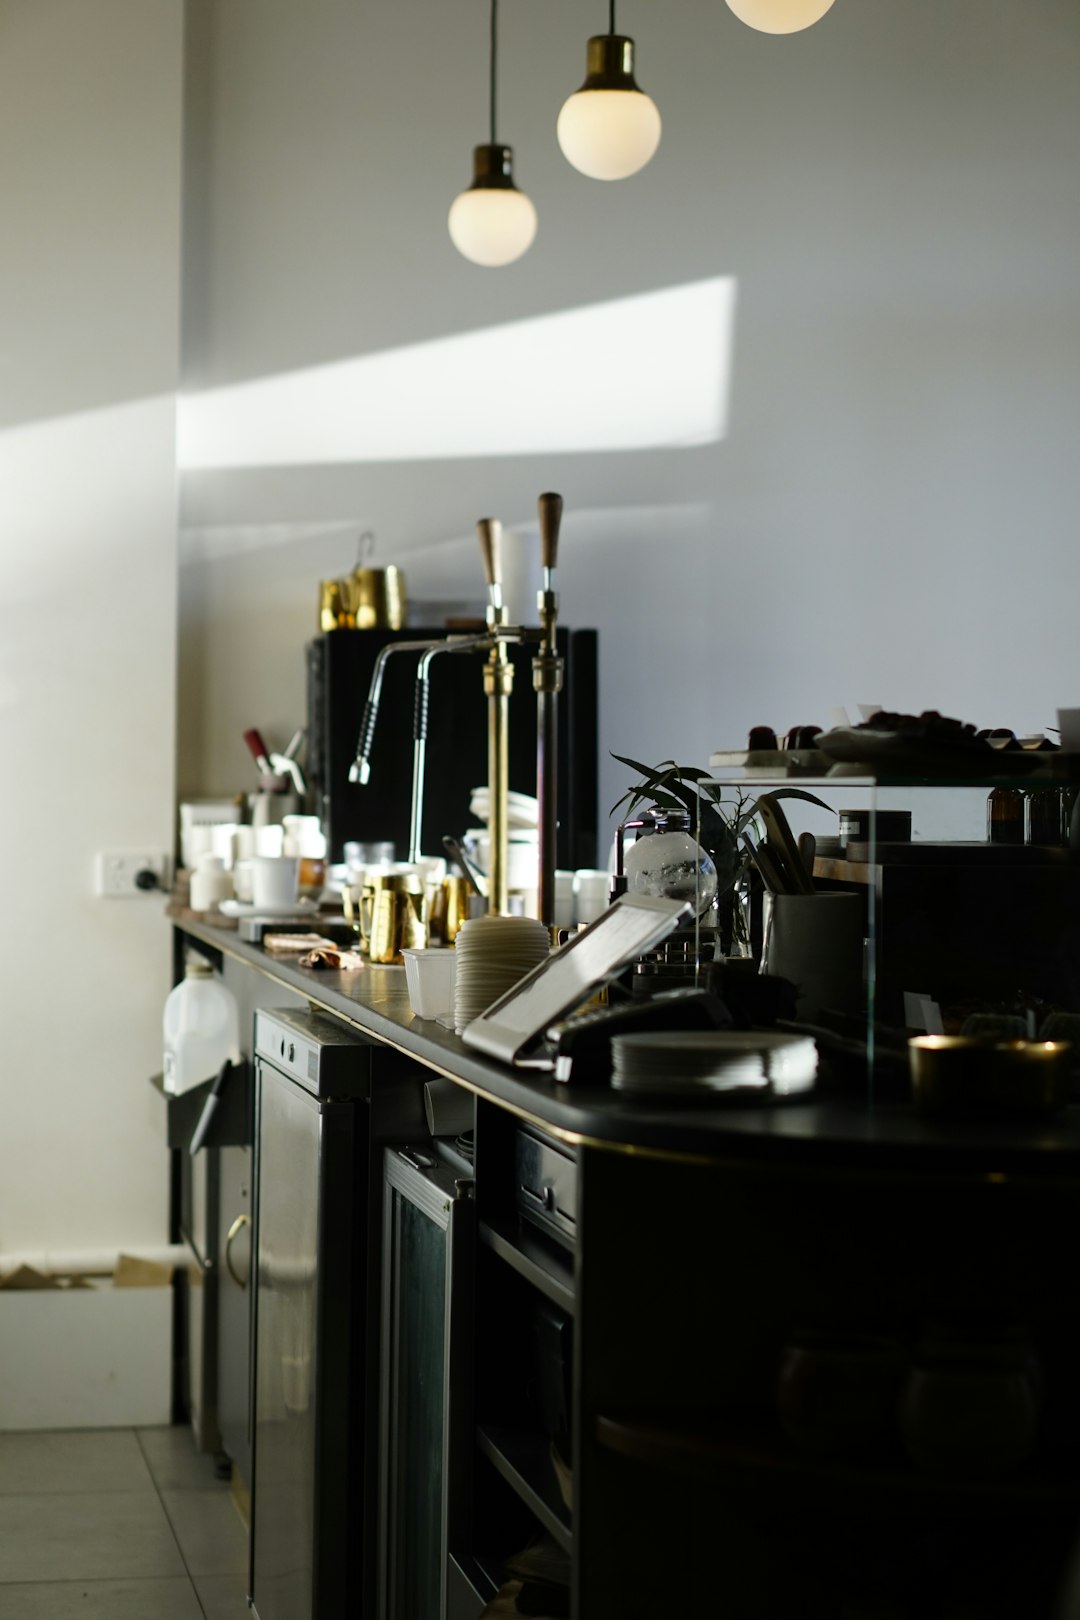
(844, 1129)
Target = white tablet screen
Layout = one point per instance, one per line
(633, 924)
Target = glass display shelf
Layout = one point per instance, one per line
(942, 905)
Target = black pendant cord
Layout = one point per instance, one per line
(494, 48)
(611, 27)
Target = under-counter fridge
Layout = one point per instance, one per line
(311, 1078)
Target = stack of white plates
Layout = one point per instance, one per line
(493, 953)
(696, 1063)
(522, 810)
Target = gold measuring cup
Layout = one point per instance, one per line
(382, 924)
(392, 919)
(446, 908)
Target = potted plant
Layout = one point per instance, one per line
(719, 816)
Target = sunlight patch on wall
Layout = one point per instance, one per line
(650, 371)
(76, 488)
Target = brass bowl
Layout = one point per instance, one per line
(961, 1074)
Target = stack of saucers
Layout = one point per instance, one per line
(493, 953)
(704, 1063)
(791, 1061)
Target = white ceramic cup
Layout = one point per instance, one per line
(592, 888)
(274, 880)
(564, 899)
(242, 879)
(268, 840)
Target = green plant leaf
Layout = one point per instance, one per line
(650, 772)
(665, 800)
(799, 793)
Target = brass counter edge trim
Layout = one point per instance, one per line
(630, 1150)
(561, 1132)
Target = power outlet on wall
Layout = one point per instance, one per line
(120, 876)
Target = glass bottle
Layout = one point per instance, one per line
(1045, 822)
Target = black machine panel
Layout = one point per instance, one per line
(340, 663)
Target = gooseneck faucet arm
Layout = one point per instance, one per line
(452, 644)
(360, 769)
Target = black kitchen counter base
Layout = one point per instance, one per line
(840, 1127)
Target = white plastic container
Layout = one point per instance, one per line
(201, 1028)
(429, 975)
(210, 883)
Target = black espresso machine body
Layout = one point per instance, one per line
(339, 666)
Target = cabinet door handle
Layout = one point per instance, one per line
(234, 1231)
(544, 1199)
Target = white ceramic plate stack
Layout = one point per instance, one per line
(791, 1061)
(493, 953)
(705, 1063)
(522, 810)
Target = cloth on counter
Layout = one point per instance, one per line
(296, 944)
(329, 956)
(538, 1584)
(519, 1598)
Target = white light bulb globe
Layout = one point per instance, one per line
(779, 16)
(609, 134)
(492, 225)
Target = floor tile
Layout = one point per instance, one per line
(210, 1531)
(72, 1460)
(103, 1600)
(174, 1462)
(110, 1535)
(223, 1597)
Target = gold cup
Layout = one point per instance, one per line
(448, 908)
(965, 1073)
(336, 604)
(379, 600)
(393, 921)
(359, 901)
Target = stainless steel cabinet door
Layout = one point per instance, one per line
(235, 1290)
(289, 1125)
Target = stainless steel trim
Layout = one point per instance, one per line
(410, 1180)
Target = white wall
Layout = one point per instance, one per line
(90, 179)
(892, 515)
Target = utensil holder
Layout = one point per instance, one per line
(816, 942)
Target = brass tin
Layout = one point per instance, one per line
(335, 610)
(960, 1074)
(379, 600)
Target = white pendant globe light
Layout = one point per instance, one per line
(779, 16)
(609, 129)
(492, 223)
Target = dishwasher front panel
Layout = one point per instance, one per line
(303, 1345)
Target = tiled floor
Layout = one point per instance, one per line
(117, 1524)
